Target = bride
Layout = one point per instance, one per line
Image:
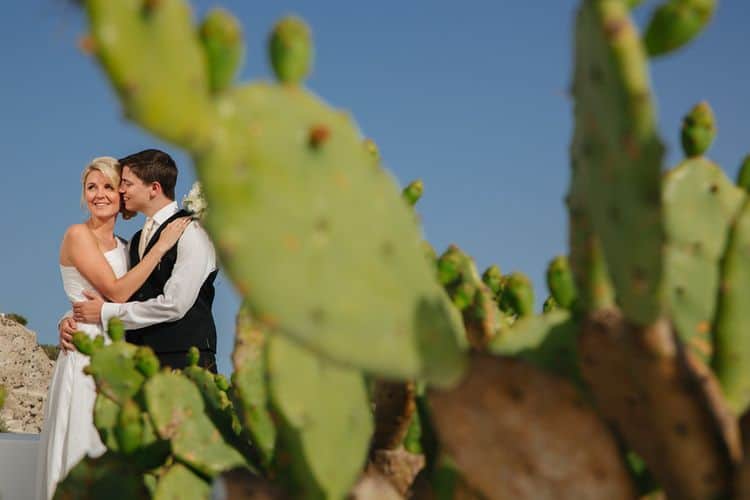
(91, 256)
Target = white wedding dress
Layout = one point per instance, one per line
(68, 434)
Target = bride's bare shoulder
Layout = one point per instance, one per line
(77, 234)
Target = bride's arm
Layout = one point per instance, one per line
(85, 255)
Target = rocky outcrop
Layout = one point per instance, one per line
(25, 371)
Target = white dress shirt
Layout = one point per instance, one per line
(196, 260)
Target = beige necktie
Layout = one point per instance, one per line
(145, 235)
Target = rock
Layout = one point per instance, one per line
(25, 371)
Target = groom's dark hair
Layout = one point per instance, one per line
(153, 165)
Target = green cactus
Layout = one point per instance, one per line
(518, 295)
(675, 23)
(193, 356)
(324, 421)
(220, 410)
(560, 282)
(106, 413)
(413, 438)
(743, 175)
(698, 130)
(107, 476)
(731, 361)
(181, 482)
(116, 329)
(413, 192)
(146, 361)
(221, 382)
(291, 50)
(617, 155)
(221, 37)
(700, 203)
(257, 145)
(83, 343)
(547, 341)
(550, 304)
(493, 278)
(129, 428)
(593, 284)
(114, 372)
(471, 296)
(176, 409)
(249, 385)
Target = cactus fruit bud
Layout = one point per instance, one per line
(221, 37)
(449, 265)
(83, 343)
(463, 295)
(291, 51)
(518, 295)
(743, 177)
(550, 305)
(129, 427)
(221, 382)
(3, 393)
(146, 361)
(193, 355)
(116, 330)
(413, 192)
(493, 278)
(675, 23)
(98, 342)
(560, 282)
(319, 134)
(372, 149)
(698, 130)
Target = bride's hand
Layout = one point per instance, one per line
(171, 234)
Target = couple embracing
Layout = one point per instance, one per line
(160, 285)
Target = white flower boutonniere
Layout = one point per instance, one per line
(195, 202)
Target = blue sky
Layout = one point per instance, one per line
(469, 97)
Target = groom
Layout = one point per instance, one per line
(172, 310)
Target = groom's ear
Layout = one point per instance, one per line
(155, 189)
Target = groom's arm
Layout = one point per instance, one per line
(196, 260)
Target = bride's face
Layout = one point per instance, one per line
(102, 197)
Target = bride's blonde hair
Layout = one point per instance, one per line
(111, 169)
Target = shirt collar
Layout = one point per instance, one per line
(165, 213)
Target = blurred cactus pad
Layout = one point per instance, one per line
(365, 361)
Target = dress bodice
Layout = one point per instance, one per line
(74, 283)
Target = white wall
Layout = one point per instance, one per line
(17, 465)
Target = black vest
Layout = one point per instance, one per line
(196, 328)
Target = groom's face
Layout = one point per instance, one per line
(135, 192)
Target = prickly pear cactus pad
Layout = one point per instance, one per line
(249, 384)
(700, 203)
(731, 361)
(177, 411)
(275, 160)
(617, 149)
(114, 372)
(324, 421)
(179, 482)
(107, 476)
(547, 341)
